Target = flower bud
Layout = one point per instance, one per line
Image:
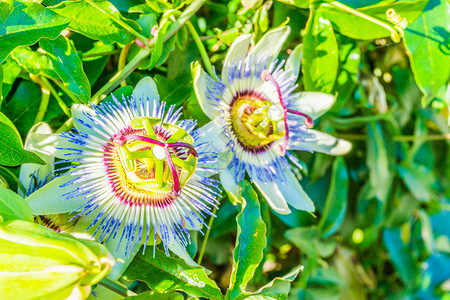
(36, 262)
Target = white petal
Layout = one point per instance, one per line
(230, 184)
(50, 198)
(271, 43)
(237, 52)
(203, 89)
(294, 61)
(273, 196)
(212, 134)
(324, 143)
(146, 89)
(294, 193)
(313, 104)
(79, 112)
(32, 143)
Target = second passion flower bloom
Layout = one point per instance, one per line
(257, 118)
(134, 174)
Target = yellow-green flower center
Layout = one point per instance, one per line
(254, 122)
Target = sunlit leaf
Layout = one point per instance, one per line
(67, 64)
(25, 22)
(14, 207)
(251, 240)
(11, 147)
(164, 274)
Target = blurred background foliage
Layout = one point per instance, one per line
(382, 225)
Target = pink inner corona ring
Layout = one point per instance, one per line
(150, 162)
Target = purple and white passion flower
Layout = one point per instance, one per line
(135, 174)
(257, 118)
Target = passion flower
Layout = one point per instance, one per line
(135, 175)
(257, 118)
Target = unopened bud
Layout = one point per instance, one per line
(36, 262)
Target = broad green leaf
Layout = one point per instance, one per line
(428, 45)
(336, 203)
(320, 54)
(1, 84)
(349, 63)
(14, 207)
(400, 256)
(165, 274)
(250, 242)
(34, 62)
(152, 295)
(22, 107)
(278, 288)
(418, 179)
(67, 64)
(11, 70)
(344, 22)
(25, 22)
(174, 91)
(91, 22)
(11, 147)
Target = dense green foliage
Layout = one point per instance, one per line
(382, 223)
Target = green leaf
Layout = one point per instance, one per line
(67, 64)
(1, 84)
(347, 78)
(250, 242)
(11, 70)
(428, 45)
(14, 207)
(11, 147)
(91, 22)
(278, 288)
(149, 295)
(320, 54)
(344, 22)
(400, 256)
(164, 274)
(25, 22)
(34, 62)
(418, 179)
(21, 108)
(336, 203)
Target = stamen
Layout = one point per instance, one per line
(309, 122)
(121, 139)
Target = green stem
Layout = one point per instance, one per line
(98, 54)
(123, 60)
(359, 120)
(201, 49)
(184, 17)
(14, 177)
(67, 91)
(394, 33)
(120, 22)
(45, 98)
(205, 240)
(52, 90)
(116, 287)
(310, 262)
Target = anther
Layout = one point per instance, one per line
(309, 122)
